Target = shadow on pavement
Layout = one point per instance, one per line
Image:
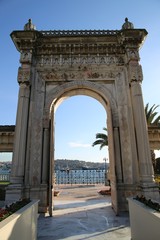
(91, 217)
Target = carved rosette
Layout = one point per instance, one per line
(24, 75)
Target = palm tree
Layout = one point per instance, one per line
(102, 139)
(152, 120)
(151, 114)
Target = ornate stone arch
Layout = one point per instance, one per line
(95, 90)
(103, 64)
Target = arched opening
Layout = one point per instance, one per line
(106, 122)
(77, 120)
(5, 170)
(78, 164)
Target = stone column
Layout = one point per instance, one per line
(147, 186)
(145, 164)
(19, 154)
(141, 128)
(45, 165)
(118, 159)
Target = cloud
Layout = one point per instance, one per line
(79, 145)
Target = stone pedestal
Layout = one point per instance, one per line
(14, 192)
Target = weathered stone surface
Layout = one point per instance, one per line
(100, 64)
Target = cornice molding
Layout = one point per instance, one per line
(78, 33)
(71, 38)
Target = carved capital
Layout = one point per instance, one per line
(24, 75)
(140, 73)
(133, 55)
(135, 73)
(24, 90)
(26, 57)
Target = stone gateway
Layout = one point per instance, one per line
(102, 64)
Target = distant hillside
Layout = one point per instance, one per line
(60, 164)
(77, 164)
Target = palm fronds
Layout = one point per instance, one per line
(102, 139)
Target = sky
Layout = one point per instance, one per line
(75, 133)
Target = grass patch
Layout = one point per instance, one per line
(4, 183)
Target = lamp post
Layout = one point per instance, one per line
(105, 174)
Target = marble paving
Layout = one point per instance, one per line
(82, 213)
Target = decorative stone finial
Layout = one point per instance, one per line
(127, 24)
(29, 26)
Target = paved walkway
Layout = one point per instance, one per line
(82, 213)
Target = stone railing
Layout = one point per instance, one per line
(80, 176)
(4, 177)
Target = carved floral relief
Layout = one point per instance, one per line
(26, 57)
(24, 75)
(83, 73)
(79, 59)
(133, 54)
(135, 73)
